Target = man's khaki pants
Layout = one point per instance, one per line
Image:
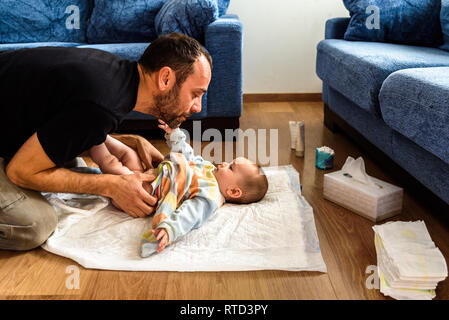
(26, 218)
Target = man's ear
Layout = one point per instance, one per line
(166, 79)
(234, 192)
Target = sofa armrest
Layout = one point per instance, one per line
(336, 28)
(224, 41)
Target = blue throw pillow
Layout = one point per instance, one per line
(116, 21)
(44, 20)
(407, 22)
(223, 6)
(445, 23)
(189, 17)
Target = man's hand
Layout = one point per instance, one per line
(162, 236)
(130, 195)
(149, 155)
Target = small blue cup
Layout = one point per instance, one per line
(324, 160)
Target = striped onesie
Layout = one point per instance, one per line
(187, 192)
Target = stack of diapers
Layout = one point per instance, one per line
(409, 264)
(276, 233)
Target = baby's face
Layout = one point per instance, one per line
(231, 174)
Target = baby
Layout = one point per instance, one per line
(190, 189)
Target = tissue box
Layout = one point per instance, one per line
(378, 202)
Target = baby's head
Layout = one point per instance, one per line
(241, 181)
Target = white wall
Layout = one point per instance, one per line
(279, 44)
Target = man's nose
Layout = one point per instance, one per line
(196, 106)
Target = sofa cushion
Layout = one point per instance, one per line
(24, 21)
(398, 21)
(415, 103)
(190, 17)
(130, 51)
(123, 21)
(358, 69)
(17, 46)
(223, 6)
(444, 18)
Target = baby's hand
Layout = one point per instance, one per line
(164, 126)
(162, 236)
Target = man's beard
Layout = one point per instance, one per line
(166, 105)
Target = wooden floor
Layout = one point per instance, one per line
(347, 240)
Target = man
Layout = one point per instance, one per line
(56, 103)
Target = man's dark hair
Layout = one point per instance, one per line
(174, 50)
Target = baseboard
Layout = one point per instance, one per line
(282, 97)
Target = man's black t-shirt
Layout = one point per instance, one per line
(72, 98)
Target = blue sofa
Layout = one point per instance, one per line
(127, 31)
(395, 96)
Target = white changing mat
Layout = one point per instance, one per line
(277, 233)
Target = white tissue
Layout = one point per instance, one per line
(367, 196)
(356, 168)
(325, 149)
